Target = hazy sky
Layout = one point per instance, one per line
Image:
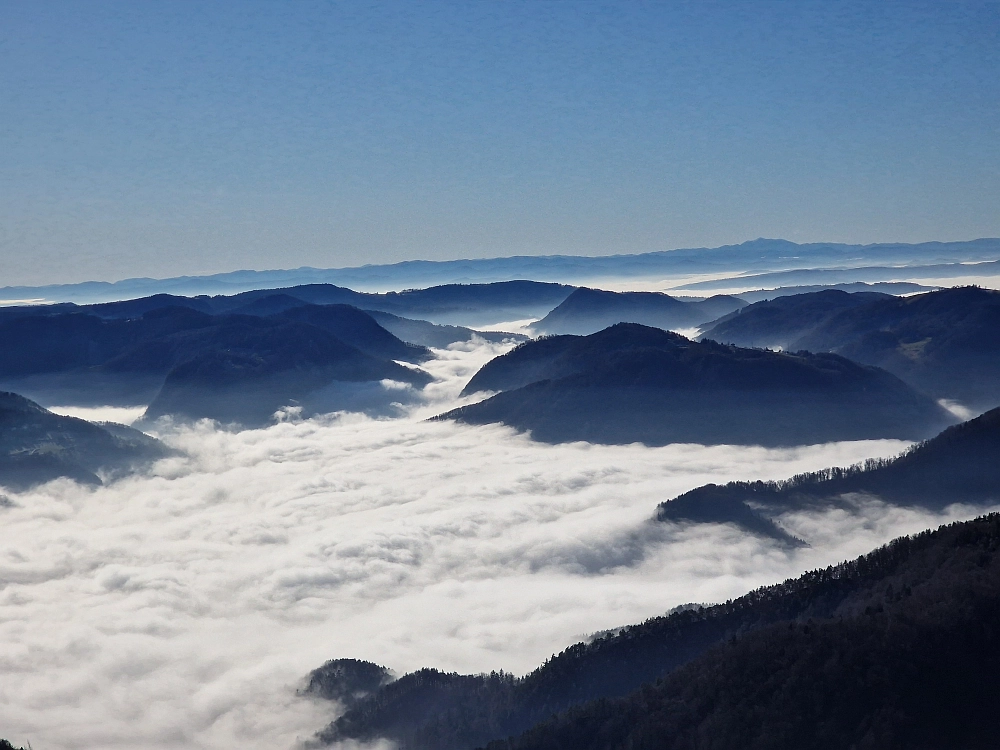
(142, 138)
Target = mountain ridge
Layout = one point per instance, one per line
(541, 268)
(632, 383)
(932, 572)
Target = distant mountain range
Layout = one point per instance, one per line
(38, 446)
(756, 256)
(591, 310)
(945, 343)
(240, 359)
(632, 383)
(955, 269)
(899, 648)
(885, 287)
(469, 304)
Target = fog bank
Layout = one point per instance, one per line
(181, 609)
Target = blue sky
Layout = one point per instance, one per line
(152, 138)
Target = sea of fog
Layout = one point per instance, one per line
(183, 608)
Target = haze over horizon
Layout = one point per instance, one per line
(158, 141)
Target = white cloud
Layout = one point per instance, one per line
(180, 609)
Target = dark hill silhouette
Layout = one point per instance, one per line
(911, 664)
(272, 304)
(781, 322)
(58, 343)
(631, 383)
(136, 308)
(347, 681)
(170, 356)
(37, 446)
(958, 466)
(805, 661)
(468, 304)
(357, 328)
(590, 310)
(723, 508)
(246, 368)
(945, 343)
(883, 287)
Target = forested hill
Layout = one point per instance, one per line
(632, 383)
(779, 323)
(944, 343)
(469, 304)
(908, 660)
(935, 578)
(591, 310)
(186, 363)
(37, 446)
(958, 466)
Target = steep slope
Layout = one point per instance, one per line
(37, 446)
(631, 383)
(958, 466)
(822, 640)
(781, 322)
(912, 663)
(590, 310)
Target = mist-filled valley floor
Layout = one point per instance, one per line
(182, 607)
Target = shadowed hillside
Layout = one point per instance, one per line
(779, 323)
(944, 343)
(591, 310)
(235, 368)
(909, 661)
(958, 466)
(245, 369)
(630, 383)
(819, 660)
(37, 446)
(466, 304)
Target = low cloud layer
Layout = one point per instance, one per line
(181, 609)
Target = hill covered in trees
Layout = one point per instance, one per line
(909, 662)
(779, 323)
(898, 648)
(468, 304)
(958, 466)
(590, 310)
(632, 383)
(945, 343)
(37, 446)
(187, 363)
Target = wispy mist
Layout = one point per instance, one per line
(181, 609)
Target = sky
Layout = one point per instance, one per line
(183, 607)
(161, 139)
